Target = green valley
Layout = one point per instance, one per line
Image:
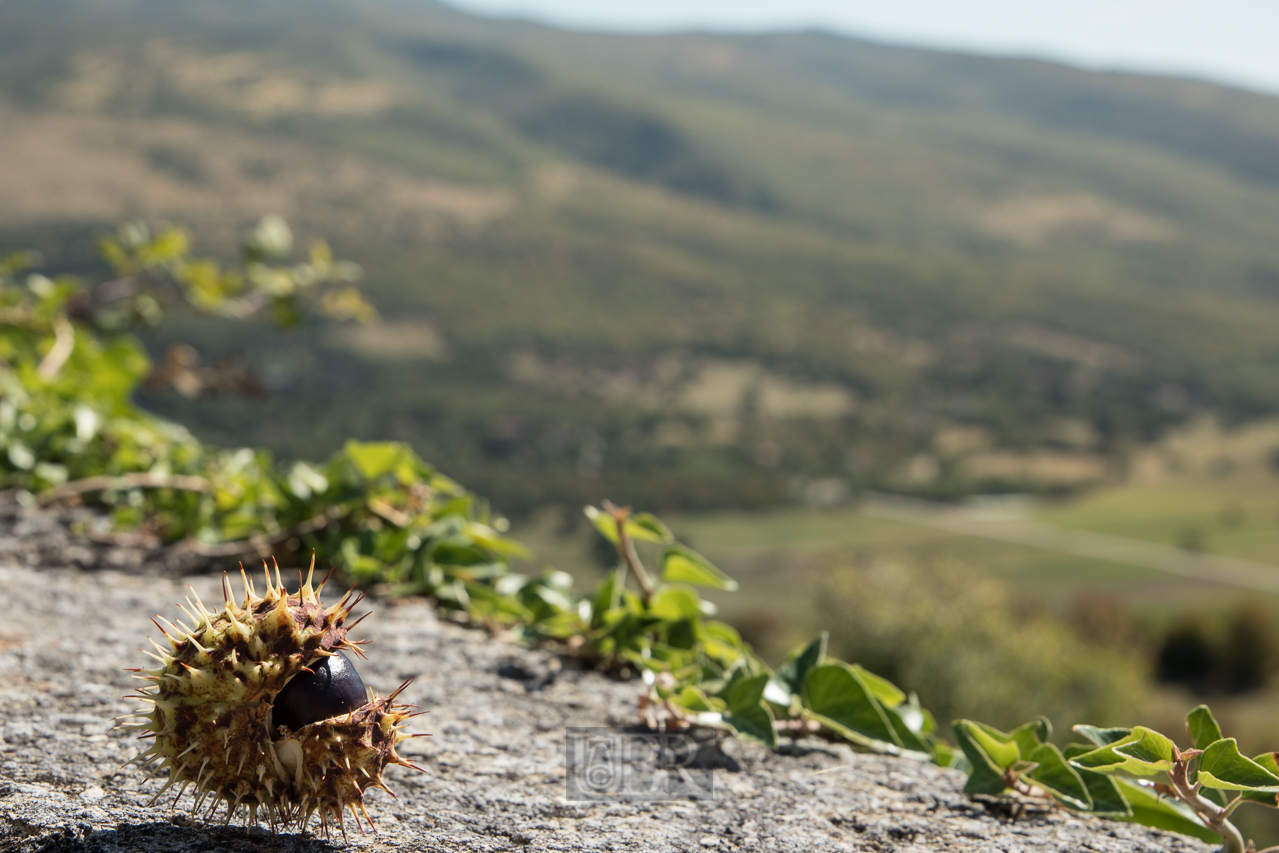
(685, 271)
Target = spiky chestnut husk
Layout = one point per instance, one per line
(211, 710)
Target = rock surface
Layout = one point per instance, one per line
(79, 536)
(494, 765)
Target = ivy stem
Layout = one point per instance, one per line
(1215, 816)
(63, 346)
(123, 481)
(626, 549)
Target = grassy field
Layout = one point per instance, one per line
(1229, 518)
(1203, 488)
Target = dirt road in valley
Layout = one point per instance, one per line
(999, 523)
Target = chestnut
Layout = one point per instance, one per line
(330, 689)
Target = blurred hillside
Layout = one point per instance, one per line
(680, 271)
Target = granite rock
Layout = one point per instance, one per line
(81, 537)
(494, 766)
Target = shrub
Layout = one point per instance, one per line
(958, 639)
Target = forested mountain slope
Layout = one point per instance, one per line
(678, 270)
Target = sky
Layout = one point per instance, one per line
(1229, 41)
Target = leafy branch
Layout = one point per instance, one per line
(69, 432)
(1132, 774)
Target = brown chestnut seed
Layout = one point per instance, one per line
(331, 689)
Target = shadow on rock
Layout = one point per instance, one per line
(164, 837)
(800, 750)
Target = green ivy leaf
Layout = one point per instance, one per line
(754, 723)
(643, 526)
(684, 565)
(674, 603)
(692, 698)
(1102, 737)
(910, 738)
(1030, 736)
(1149, 809)
(373, 459)
(561, 626)
(837, 696)
(985, 774)
(1221, 766)
(1149, 750)
(1143, 752)
(1203, 727)
(918, 718)
(745, 692)
(889, 694)
(998, 746)
(607, 596)
(788, 681)
(1103, 791)
(603, 523)
(487, 537)
(1101, 760)
(721, 642)
(1269, 761)
(649, 528)
(1052, 772)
